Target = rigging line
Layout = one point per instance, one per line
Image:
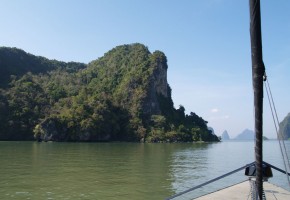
(279, 138)
(276, 168)
(210, 181)
(276, 121)
(283, 142)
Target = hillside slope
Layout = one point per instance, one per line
(122, 96)
(16, 62)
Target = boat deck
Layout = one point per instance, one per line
(242, 191)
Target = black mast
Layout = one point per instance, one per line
(258, 71)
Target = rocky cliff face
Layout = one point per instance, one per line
(157, 85)
(159, 77)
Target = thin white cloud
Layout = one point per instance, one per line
(221, 117)
(214, 110)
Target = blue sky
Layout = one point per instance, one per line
(207, 44)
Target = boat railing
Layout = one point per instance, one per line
(223, 176)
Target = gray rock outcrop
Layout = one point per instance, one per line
(225, 136)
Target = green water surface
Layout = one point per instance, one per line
(31, 170)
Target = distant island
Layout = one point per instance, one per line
(122, 96)
(284, 128)
(225, 136)
(246, 135)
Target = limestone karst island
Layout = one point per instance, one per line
(122, 96)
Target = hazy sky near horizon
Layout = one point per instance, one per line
(207, 44)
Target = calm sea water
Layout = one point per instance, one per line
(31, 170)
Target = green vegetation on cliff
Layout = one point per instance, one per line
(122, 96)
(15, 62)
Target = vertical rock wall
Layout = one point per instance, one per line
(158, 84)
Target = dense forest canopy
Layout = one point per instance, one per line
(16, 62)
(122, 96)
